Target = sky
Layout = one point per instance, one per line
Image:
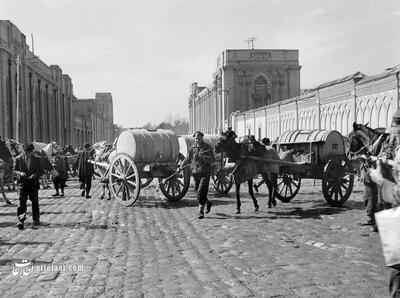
(148, 52)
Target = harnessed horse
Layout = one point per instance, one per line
(368, 143)
(247, 168)
(366, 140)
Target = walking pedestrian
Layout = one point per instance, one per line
(61, 178)
(28, 169)
(85, 170)
(200, 156)
(370, 196)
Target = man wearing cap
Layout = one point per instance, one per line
(200, 156)
(28, 169)
(85, 170)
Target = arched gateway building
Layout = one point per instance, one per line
(258, 92)
(243, 80)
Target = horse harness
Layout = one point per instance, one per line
(375, 140)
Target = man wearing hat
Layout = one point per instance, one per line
(200, 156)
(85, 170)
(28, 169)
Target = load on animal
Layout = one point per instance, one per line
(315, 154)
(246, 156)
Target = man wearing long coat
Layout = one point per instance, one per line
(85, 170)
(28, 169)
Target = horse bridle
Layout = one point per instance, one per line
(371, 142)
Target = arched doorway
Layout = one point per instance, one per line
(261, 94)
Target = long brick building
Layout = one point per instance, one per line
(36, 100)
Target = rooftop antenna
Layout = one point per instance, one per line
(33, 45)
(34, 59)
(250, 42)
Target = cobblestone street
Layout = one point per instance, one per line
(160, 249)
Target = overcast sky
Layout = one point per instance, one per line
(148, 52)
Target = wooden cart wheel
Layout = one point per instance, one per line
(124, 180)
(145, 182)
(337, 181)
(222, 181)
(287, 187)
(177, 186)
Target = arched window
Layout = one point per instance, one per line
(261, 96)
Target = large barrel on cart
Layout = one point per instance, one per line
(147, 154)
(315, 154)
(221, 178)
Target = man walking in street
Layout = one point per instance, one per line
(61, 178)
(28, 168)
(85, 170)
(370, 197)
(201, 155)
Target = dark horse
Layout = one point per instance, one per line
(246, 156)
(373, 142)
(366, 140)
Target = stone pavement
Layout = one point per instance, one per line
(160, 249)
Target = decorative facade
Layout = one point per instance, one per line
(244, 80)
(333, 105)
(35, 99)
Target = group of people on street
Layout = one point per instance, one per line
(29, 167)
(201, 156)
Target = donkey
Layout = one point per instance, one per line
(248, 165)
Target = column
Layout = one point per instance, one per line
(3, 93)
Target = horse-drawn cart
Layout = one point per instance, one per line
(315, 154)
(221, 178)
(146, 154)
